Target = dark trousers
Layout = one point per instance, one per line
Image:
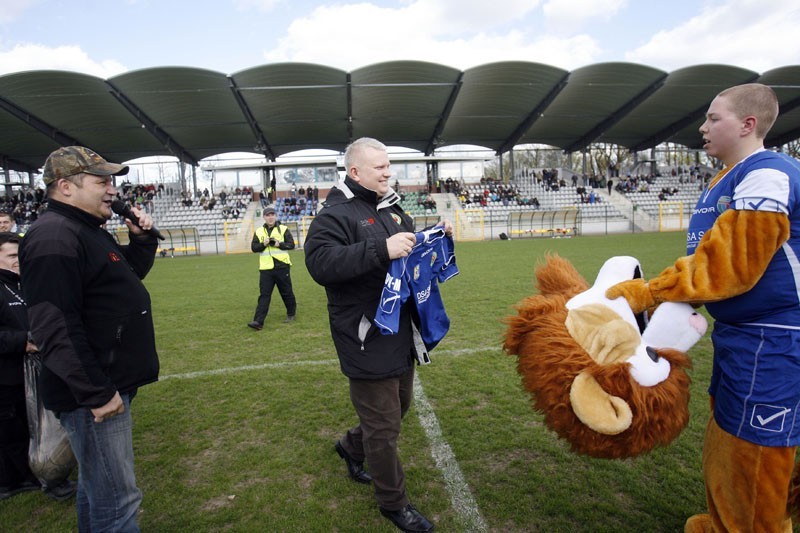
(14, 437)
(381, 405)
(266, 283)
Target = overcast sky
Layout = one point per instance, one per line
(109, 37)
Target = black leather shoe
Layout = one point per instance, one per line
(255, 325)
(25, 486)
(408, 519)
(354, 469)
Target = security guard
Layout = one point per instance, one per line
(272, 240)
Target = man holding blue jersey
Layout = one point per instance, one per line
(349, 247)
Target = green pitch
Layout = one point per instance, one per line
(238, 434)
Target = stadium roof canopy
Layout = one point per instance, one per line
(275, 109)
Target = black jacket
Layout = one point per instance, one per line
(13, 329)
(89, 312)
(346, 252)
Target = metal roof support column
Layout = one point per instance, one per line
(653, 162)
(6, 177)
(262, 145)
(150, 125)
(533, 116)
(182, 174)
(349, 110)
(617, 115)
(585, 152)
(501, 165)
(39, 125)
(510, 164)
(435, 139)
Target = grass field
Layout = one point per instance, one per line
(238, 434)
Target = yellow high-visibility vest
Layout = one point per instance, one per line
(266, 260)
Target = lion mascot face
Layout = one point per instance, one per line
(611, 383)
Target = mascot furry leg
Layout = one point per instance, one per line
(734, 503)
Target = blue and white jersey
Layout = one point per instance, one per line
(769, 182)
(431, 261)
(756, 376)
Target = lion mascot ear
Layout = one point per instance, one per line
(607, 387)
(599, 410)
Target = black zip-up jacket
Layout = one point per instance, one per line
(13, 329)
(345, 251)
(89, 312)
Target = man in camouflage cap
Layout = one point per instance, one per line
(90, 316)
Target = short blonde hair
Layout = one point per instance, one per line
(355, 148)
(754, 99)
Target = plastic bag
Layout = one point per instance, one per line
(49, 452)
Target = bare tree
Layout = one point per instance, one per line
(792, 148)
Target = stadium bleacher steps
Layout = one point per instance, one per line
(446, 205)
(253, 215)
(642, 220)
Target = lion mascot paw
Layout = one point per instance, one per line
(611, 383)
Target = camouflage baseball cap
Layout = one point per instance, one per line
(70, 160)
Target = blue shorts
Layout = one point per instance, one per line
(756, 383)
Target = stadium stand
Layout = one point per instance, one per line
(528, 192)
(170, 211)
(649, 193)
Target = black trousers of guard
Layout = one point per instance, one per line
(381, 405)
(267, 281)
(14, 441)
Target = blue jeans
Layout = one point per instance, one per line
(108, 499)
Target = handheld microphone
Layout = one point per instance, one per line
(123, 209)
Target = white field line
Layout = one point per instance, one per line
(285, 364)
(244, 368)
(460, 496)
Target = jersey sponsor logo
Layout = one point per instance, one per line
(392, 283)
(423, 295)
(769, 417)
(704, 210)
(694, 236)
(367, 222)
(114, 257)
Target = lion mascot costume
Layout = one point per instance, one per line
(607, 383)
(614, 384)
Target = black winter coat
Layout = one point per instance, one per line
(13, 329)
(89, 311)
(345, 251)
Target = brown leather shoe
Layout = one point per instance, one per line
(354, 469)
